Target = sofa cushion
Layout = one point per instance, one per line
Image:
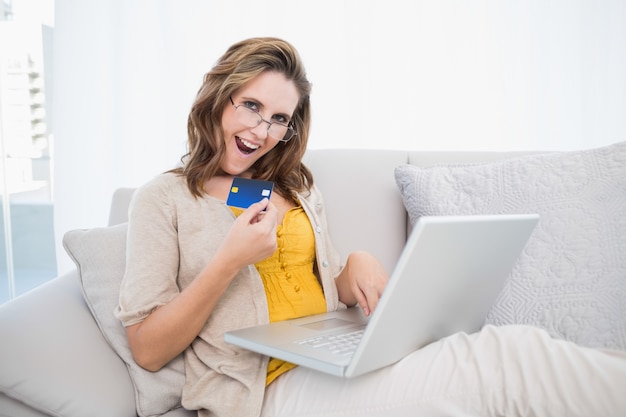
(100, 256)
(571, 277)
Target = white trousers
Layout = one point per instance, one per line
(500, 371)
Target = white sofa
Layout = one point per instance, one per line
(54, 360)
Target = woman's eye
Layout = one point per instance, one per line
(279, 118)
(251, 105)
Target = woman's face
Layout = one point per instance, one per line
(275, 98)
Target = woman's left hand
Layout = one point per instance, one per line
(362, 281)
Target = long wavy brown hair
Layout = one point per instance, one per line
(241, 63)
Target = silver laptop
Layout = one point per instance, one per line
(448, 276)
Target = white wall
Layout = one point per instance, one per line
(481, 75)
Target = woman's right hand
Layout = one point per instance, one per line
(252, 237)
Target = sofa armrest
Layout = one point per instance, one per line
(54, 359)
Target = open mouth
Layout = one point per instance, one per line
(244, 146)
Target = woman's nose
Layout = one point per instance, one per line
(261, 129)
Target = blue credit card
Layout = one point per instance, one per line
(245, 192)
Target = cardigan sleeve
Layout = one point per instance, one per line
(152, 255)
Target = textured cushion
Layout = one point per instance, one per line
(571, 277)
(100, 257)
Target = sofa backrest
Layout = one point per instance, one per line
(120, 201)
(364, 206)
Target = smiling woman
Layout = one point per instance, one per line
(197, 268)
(203, 275)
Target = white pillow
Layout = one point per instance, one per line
(100, 255)
(571, 277)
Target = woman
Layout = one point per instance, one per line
(197, 268)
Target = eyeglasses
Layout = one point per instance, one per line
(252, 118)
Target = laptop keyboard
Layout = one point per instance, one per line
(343, 344)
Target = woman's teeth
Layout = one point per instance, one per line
(245, 146)
(249, 145)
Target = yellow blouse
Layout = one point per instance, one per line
(291, 286)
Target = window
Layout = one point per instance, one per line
(27, 252)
